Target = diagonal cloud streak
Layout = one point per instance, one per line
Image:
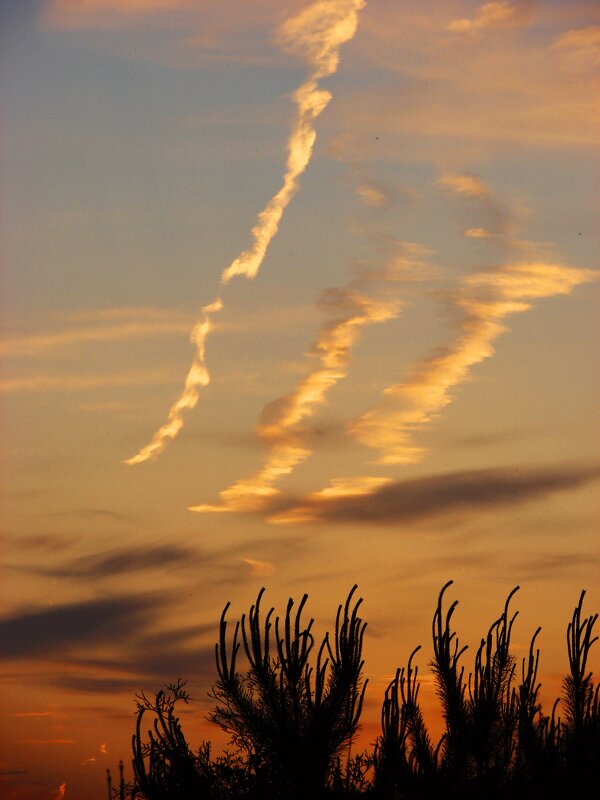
(486, 298)
(280, 419)
(280, 426)
(197, 377)
(316, 34)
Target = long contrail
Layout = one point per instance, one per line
(316, 34)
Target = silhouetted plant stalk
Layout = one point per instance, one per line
(292, 722)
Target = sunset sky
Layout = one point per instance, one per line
(298, 295)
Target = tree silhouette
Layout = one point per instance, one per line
(292, 719)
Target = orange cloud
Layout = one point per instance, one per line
(486, 299)
(280, 424)
(82, 383)
(34, 344)
(478, 233)
(467, 185)
(580, 48)
(472, 187)
(466, 90)
(580, 38)
(316, 34)
(260, 568)
(340, 489)
(497, 14)
(372, 195)
(198, 376)
(280, 420)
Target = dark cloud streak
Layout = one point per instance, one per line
(120, 561)
(50, 631)
(422, 498)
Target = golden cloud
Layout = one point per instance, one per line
(467, 185)
(317, 33)
(35, 344)
(83, 383)
(490, 15)
(259, 568)
(579, 49)
(279, 423)
(486, 299)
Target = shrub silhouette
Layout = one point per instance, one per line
(291, 721)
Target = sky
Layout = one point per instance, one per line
(297, 295)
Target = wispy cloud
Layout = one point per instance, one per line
(102, 514)
(488, 15)
(498, 222)
(78, 14)
(371, 297)
(120, 561)
(544, 565)
(36, 714)
(580, 48)
(316, 34)
(197, 377)
(280, 421)
(83, 383)
(493, 15)
(580, 38)
(43, 343)
(467, 185)
(486, 299)
(260, 568)
(123, 631)
(148, 658)
(386, 502)
(468, 93)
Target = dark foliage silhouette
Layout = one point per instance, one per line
(291, 722)
(291, 719)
